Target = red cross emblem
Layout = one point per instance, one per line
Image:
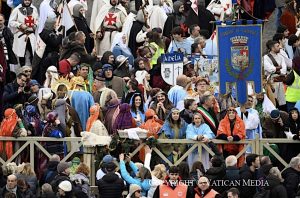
(29, 21)
(110, 19)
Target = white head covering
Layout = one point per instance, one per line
(140, 75)
(49, 82)
(118, 41)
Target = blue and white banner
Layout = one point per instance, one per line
(171, 67)
(240, 56)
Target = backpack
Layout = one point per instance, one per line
(263, 194)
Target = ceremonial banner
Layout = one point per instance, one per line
(171, 67)
(240, 58)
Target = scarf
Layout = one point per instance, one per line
(14, 190)
(94, 115)
(7, 127)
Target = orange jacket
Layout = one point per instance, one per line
(238, 130)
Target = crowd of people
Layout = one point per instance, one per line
(59, 80)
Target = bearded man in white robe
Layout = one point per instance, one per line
(108, 22)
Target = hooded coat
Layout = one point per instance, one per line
(111, 185)
(238, 133)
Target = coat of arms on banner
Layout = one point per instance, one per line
(240, 58)
(171, 67)
(239, 53)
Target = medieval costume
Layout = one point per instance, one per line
(124, 119)
(113, 109)
(45, 97)
(11, 126)
(109, 21)
(33, 121)
(119, 47)
(81, 100)
(50, 56)
(157, 16)
(23, 22)
(138, 33)
(173, 129)
(161, 111)
(202, 17)
(115, 83)
(81, 25)
(176, 19)
(47, 10)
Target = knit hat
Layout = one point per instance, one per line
(275, 114)
(292, 39)
(133, 188)
(62, 166)
(65, 186)
(76, 160)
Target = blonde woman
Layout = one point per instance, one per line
(28, 174)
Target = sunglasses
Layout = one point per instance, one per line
(138, 191)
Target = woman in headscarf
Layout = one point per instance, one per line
(11, 125)
(161, 105)
(113, 110)
(93, 124)
(143, 77)
(232, 128)
(137, 108)
(294, 128)
(124, 120)
(119, 47)
(82, 25)
(173, 128)
(33, 120)
(51, 77)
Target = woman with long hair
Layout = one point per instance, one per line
(198, 130)
(173, 128)
(161, 105)
(137, 108)
(28, 175)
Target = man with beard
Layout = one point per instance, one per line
(23, 22)
(113, 82)
(109, 21)
(274, 64)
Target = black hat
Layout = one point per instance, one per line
(98, 65)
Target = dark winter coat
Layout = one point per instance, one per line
(291, 181)
(277, 190)
(11, 96)
(9, 39)
(245, 175)
(110, 186)
(50, 172)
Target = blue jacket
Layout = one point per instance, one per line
(145, 185)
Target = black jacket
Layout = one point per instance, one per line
(216, 174)
(3, 191)
(291, 181)
(277, 190)
(246, 174)
(11, 96)
(48, 195)
(110, 186)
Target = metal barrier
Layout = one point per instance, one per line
(257, 146)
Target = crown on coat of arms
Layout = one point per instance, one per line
(239, 40)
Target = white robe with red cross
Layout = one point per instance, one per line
(20, 39)
(108, 17)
